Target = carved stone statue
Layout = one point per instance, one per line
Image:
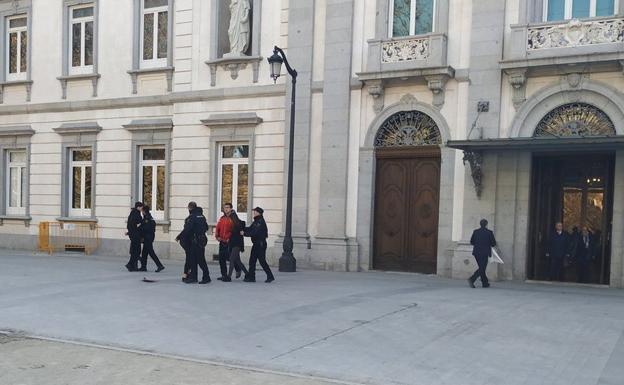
(238, 31)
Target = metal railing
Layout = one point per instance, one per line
(68, 236)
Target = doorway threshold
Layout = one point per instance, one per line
(567, 284)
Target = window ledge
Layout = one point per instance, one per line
(78, 219)
(17, 218)
(134, 74)
(16, 130)
(94, 77)
(232, 120)
(165, 224)
(11, 83)
(234, 64)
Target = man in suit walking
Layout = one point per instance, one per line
(482, 241)
(558, 250)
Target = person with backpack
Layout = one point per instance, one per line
(237, 245)
(148, 233)
(258, 233)
(194, 240)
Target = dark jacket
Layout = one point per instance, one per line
(559, 245)
(258, 230)
(482, 241)
(195, 226)
(148, 228)
(237, 240)
(134, 220)
(585, 248)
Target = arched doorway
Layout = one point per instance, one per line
(575, 189)
(407, 193)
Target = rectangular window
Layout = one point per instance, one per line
(17, 48)
(81, 38)
(152, 177)
(80, 173)
(16, 182)
(154, 33)
(234, 177)
(557, 10)
(411, 17)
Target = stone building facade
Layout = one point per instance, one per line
(414, 119)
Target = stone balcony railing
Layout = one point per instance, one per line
(570, 38)
(419, 59)
(405, 53)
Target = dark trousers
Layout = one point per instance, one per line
(556, 269)
(135, 252)
(482, 262)
(258, 254)
(148, 249)
(235, 261)
(224, 257)
(582, 271)
(198, 257)
(187, 261)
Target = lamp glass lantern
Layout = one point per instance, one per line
(276, 62)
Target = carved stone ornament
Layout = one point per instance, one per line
(575, 119)
(376, 90)
(234, 65)
(437, 85)
(576, 33)
(475, 159)
(408, 128)
(394, 51)
(517, 80)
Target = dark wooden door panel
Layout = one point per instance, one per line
(391, 217)
(406, 214)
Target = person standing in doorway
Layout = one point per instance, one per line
(482, 241)
(148, 232)
(259, 233)
(585, 253)
(237, 245)
(134, 221)
(223, 232)
(558, 249)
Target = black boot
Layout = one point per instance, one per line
(160, 268)
(249, 278)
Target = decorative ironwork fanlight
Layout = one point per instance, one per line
(408, 128)
(575, 119)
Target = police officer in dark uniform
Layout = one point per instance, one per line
(259, 233)
(193, 236)
(134, 233)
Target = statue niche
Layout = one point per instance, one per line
(239, 28)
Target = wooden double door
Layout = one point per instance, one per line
(407, 198)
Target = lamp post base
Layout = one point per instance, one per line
(287, 263)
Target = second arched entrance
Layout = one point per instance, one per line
(407, 193)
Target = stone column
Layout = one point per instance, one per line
(331, 246)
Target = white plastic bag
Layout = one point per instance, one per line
(495, 257)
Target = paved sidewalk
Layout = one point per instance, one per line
(27, 361)
(370, 328)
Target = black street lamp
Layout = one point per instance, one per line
(287, 262)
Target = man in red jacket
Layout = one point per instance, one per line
(223, 232)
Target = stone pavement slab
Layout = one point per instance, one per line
(28, 361)
(369, 328)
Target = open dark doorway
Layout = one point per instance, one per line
(576, 190)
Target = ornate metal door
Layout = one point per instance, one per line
(406, 209)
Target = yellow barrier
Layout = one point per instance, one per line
(64, 236)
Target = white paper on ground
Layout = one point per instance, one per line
(495, 258)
